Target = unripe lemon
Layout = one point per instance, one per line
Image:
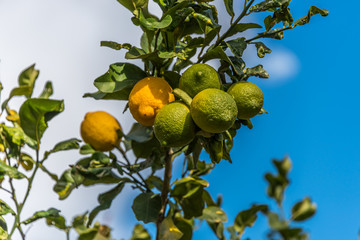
(147, 97)
(198, 77)
(213, 110)
(100, 130)
(174, 126)
(248, 97)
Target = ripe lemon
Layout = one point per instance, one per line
(213, 110)
(198, 77)
(248, 97)
(100, 130)
(147, 97)
(174, 126)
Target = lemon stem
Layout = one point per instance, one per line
(183, 96)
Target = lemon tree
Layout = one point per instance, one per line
(188, 92)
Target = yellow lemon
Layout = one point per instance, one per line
(174, 126)
(147, 97)
(198, 77)
(213, 110)
(100, 130)
(248, 97)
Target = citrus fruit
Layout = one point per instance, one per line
(147, 97)
(198, 77)
(248, 97)
(100, 130)
(174, 126)
(213, 110)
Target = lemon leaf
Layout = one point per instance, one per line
(35, 113)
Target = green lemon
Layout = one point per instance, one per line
(173, 125)
(198, 77)
(248, 97)
(213, 110)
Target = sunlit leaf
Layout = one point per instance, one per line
(36, 112)
(69, 144)
(10, 171)
(118, 77)
(303, 210)
(140, 233)
(51, 212)
(262, 49)
(5, 209)
(214, 214)
(47, 91)
(312, 11)
(168, 230)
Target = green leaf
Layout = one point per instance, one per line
(26, 161)
(283, 166)
(35, 113)
(146, 207)
(133, 4)
(105, 200)
(5, 209)
(312, 11)
(188, 192)
(86, 149)
(229, 7)
(247, 218)
(214, 214)
(26, 82)
(140, 233)
(47, 91)
(276, 222)
(3, 229)
(69, 144)
(153, 24)
(262, 49)
(119, 95)
(303, 210)
(154, 181)
(118, 77)
(56, 221)
(115, 45)
(67, 183)
(139, 133)
(237, 46)
(257, 71)
(51, 212)
(168, 230)
(10, 171)
(268, 5)
(241, 27)
(185, 226)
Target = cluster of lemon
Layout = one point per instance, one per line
(202, 106)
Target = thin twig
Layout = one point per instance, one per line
(266, 34)
(226, 34)
(144, 184)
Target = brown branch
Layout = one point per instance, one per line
(165, 190)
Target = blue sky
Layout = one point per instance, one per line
(311, 98)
